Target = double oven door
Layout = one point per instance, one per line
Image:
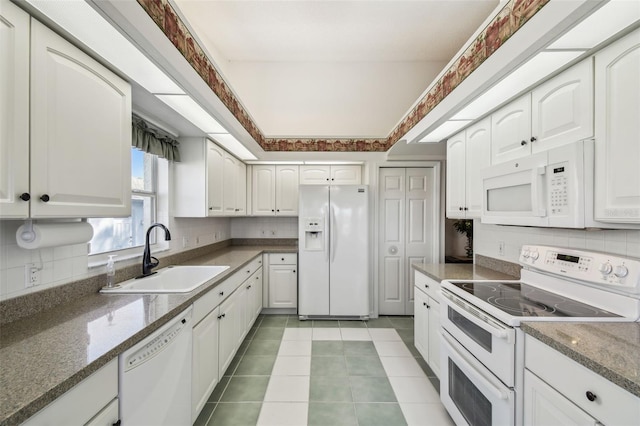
(478, 365)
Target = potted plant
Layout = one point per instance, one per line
(465, 226)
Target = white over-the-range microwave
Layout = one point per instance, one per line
(551, 188)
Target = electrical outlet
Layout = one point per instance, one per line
(216, 235)
(263, 233)
(501, 248)
(31, 275)
(273, 233)
(185, 242)
(197, 240)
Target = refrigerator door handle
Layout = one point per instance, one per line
(327, 238)
(332, 227)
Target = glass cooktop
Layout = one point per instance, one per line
(523, 300)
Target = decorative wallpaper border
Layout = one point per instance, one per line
(509, 20)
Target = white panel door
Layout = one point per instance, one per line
(230, 185)
(478, 157)
(420, 246)
(392, 285)
(80, 132)
(349, 259)
(456, 182)
(408, 218)
(263, 190)
(511, 131)
(562, 108)
(14, 111)
(215, 176)
(617, 131)
(287, 190)
(315, 175)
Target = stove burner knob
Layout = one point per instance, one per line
(605, 268)
(535, 255)
(526, 254)
(621, 271)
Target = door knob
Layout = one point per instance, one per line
(45, 198)
(523, 143)
(393, 250)
(533, 139)
(25, 196)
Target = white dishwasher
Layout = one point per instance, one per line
(155, 377)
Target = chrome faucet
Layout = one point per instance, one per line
(149, 262)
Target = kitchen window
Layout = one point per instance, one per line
(118, 234)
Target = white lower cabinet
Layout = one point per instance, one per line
(427, 320)
(283, 280)
(560, 391)
(222, 318)
(93, 401)
(204, 376)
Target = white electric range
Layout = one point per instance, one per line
(482, 355)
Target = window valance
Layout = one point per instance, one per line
(153, 140)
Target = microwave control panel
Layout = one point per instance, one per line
(559, 189)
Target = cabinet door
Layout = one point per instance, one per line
(80, 132)
(477, 157)
(562, 108)
(263, 190)
(283, 286)
(434, 336)
(229, 327)
(109, 415)
(511, 131)
(543, 405)
(286, 190)
(14, 111)
(229, 184)
(241, 191)
(215, 177)
(421, 323)
(346, 175)
(204, 367)
(253, 287)
(456, 171)
(315, 175)
(257, 288)
(617, 131)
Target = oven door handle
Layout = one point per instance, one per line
(459, 358)
(484, 322)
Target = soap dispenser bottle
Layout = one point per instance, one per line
(111, 272)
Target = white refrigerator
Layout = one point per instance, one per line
(333, 260)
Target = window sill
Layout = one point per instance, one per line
(101, 259)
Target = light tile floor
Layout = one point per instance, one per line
(291, 372)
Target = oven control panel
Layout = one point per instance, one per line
(613, 271)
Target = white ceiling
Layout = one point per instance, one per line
(309, 68)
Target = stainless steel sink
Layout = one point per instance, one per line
(172, 279)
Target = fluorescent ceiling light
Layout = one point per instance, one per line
(233, 145)
(445, 130)
(600, 25)
(533, 71)
(192, 111)
(80, 20)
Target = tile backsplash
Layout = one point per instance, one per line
(264, 227)
(487, 239)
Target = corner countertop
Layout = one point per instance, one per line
(460, 271)
(609, 349)
(44, 355)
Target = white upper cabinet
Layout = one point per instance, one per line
(468, 153)
(562, 108)
(511, 130)
(558, 112)
(330, 175)
(274, 190)
(208, 181)
(79, 134)
(14, 112)
(617, 131)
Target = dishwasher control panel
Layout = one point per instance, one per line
(158, 343)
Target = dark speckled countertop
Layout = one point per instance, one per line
(610, 349)
(44, 355)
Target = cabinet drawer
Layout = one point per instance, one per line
(283, 259)
(251, 267)
(612, 404)
(430, 286)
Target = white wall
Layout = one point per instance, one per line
(320, 99)
(264, 227)
(487, 237)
